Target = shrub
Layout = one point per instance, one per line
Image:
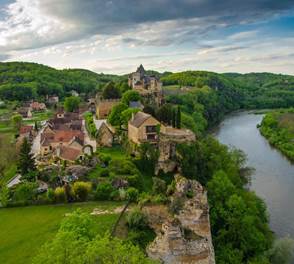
(104, 173)
(103, 191)
(82, 190)
(25, 192)
(132, 194)
(105, 159)
(159, 185)
(4, 195)
(50, 194)
(136, 219)
(60, 195)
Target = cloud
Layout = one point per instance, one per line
(38, 23)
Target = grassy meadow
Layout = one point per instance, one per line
(23, 230)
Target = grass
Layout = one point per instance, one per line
(24, 230)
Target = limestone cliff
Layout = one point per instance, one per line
(183, 236)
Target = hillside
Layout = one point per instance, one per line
(22, 80)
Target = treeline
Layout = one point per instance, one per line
(278, 128)
(23, 81)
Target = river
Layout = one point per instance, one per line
(273, 178)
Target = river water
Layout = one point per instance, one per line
(273, 178)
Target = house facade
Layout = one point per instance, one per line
(143, 128)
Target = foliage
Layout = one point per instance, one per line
(136, 219)
(4, 195)
(26, 162)
(75, 243)
(132, 194)
(278, 128)
(60, 195)
(238, 220)
(126, 115)
(103, 191)
(82, 190)
(282, 251)
(25, 192)
(7, 157)
(114, 117)
(130, 96)
(159, 186)
(90, 125)
(71, 103)
(16, 121)
(110, 91)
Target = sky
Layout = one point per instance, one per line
(115, 36)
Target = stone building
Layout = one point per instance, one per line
(106, 135)
(104, 107)
(169, 137)
(149, 87)
(143, 128)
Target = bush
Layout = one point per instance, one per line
(60, 195)
(136, 219)
(50, 195)
(103, 191)
(132, 194)
(82, 190)
(25, 192)
(159, 185)
(104, 173)
(105, 159)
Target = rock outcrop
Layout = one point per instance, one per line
(183, 236)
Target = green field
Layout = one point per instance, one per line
(24, 229)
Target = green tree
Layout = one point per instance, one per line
(16, 121)
(82, 190)
(26, 161)
(4, 195)
(178, 117)
(71, 103)
(25, 192)
(110, 91)
(114, 117)
(129, 96)
(165, 114)
(126, 115)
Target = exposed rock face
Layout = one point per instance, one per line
(168, 139)
(185, 236)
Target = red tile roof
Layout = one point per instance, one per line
(68, 153)
(25, 129)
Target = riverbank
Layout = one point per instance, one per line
(272, 178)
(278, 128)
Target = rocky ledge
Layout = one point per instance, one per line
(183, 227)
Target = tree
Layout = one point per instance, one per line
(110, 91)
(16, 121)
(71, 103)
(126, 115)
(129, 96)
(165, 114)
(25, 192)
(282, 251)
(26, 162)
(114, 117)
(178, 117)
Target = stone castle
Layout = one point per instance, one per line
(147, 86)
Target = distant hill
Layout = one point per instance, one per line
(22, 80)
(256, 90)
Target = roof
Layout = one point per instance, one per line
(135, 104)
(139, 119)
(62, 136)
(69, 153)
(108, 126)
(25, 129)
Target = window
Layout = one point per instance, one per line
(151, 137)
(150, 129)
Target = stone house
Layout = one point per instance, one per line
(68, 153)
(25, 112)
(52, 99)
(143, 128)
(104, 107)
(106, 135)
(36, 106)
